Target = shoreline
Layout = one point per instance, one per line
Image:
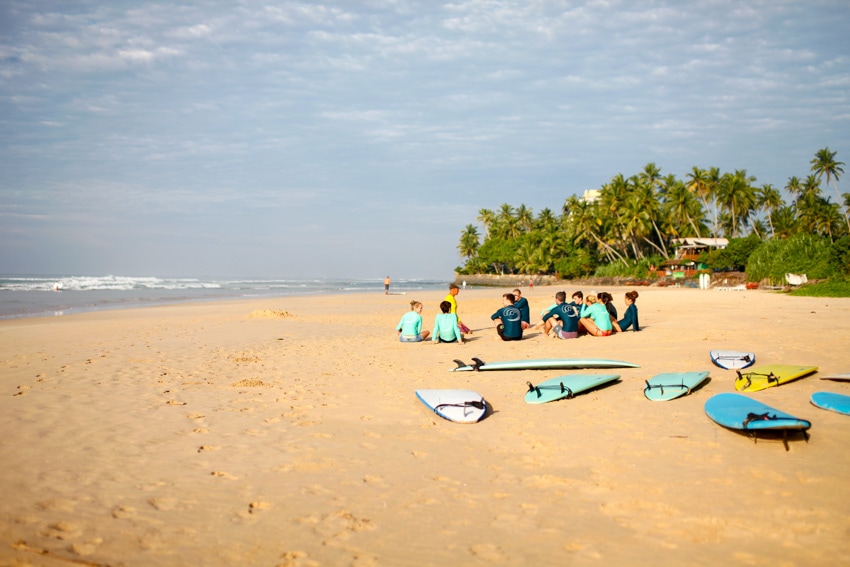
(285, 431)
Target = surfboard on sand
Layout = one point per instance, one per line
(742, 413)
(565, 387)
(839, 377)
(460, 406)
(732, 359)
(671, 385)
(769, 375)
(541, 364)
(833, 402)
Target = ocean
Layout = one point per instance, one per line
(38, 296)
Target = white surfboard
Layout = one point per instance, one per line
(838, 377)
(732, 359)
(540, 364)
(460, 406)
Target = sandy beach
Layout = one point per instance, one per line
(286, 432)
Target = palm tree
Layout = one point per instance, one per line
(524, 218)
(738, 199)
(712, 179)
(794, 187)
(810, 187)
(487, 218)
(784, 222)
(824, 164)
(684, 211)
(546, 220)
(769, 199)
(469, 243)
(585, 226)
(651, 175)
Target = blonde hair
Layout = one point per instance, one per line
(590, 297)
(414, 304)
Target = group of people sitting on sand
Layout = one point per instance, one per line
(594, 315)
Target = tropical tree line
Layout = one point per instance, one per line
(636, 219)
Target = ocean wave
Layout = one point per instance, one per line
(102, 283)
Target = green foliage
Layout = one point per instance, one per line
(575, 265)
(497, 255)
(631, 223)
(801, 254)
(639, 269)
(830, 288)
(735, 256)
(841, 254)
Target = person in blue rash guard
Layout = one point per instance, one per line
(410, 327)
(630, 317)
(567, 313)
(508, 320)
(521, 303)
(446, 329)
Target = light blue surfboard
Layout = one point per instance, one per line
(541, 364)
(671, 385)
(565, 387)
(737, 411)
(833, 402)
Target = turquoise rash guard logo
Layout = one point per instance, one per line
(512, 314)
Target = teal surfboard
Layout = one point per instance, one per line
(671, 385)
(833, 402)
(565, 387)
(541, 364)
(736, 411)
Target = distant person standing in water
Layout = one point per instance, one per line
(387, 282)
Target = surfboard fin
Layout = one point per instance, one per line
(478, 363)
(533, 388)
(460, 363)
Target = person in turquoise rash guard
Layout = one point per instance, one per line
(446, 329)
(567, 313)
(508, 319)
(410, 327)
(630, 317)
(595, 319)
(521, 303)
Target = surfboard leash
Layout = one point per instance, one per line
(471, 404)
(662, 386)
(771, 377)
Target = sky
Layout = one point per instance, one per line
(358, 138)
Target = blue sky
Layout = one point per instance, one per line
(358, 138)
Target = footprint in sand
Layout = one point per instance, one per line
(163, 504)
(85, 547)
(123, 512)
(254, 507)
(228, 476)
(63, 530)
(488, 552)
(296, 559)
(57, 505)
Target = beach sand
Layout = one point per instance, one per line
(286, 432)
